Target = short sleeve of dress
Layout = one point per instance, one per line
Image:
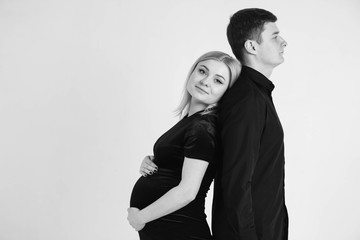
(200, 140)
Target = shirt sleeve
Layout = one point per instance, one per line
(242, 125)
(200, 140)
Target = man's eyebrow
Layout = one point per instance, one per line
(274, 33)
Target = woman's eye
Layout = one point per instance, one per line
(218, 81)
(201, 71)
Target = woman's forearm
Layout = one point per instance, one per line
(171, 201)
(192, 174)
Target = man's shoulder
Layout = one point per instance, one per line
(243, 89)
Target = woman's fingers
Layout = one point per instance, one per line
(148, 167)
(147, 171)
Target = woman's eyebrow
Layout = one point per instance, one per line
(220, 76)
(204, 67)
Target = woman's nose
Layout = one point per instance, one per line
(204, 81)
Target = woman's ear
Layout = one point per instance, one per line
(250, 46)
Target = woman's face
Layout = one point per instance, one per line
(208, 82)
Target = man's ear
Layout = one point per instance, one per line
(250, 46)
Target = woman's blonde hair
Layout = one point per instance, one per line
(234, 69)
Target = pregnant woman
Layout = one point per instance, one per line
(168, 201)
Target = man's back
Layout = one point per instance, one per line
(249, 187)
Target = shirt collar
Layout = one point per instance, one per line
(258, 78)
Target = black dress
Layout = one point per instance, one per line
(192, 137)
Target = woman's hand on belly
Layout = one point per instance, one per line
(134, 219)
(148, 167)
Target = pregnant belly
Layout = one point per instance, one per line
(148, 189)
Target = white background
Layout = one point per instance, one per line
(87, 86)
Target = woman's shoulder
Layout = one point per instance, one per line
(206, 122)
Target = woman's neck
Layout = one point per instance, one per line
(195, 107)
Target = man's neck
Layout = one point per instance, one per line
(266, 71)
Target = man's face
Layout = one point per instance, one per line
(270, 51)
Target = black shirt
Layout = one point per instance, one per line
(249, 187)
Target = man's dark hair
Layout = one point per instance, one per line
(247, 24)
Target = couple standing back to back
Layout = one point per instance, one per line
(229, 131)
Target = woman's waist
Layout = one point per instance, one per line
(166, 175)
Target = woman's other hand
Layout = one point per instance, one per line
(134, 220)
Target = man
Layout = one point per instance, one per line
(249, 188)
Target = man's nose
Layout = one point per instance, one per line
(283, 43)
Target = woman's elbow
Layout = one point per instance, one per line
(189, 195)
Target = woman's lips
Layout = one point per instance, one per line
(202, 90)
